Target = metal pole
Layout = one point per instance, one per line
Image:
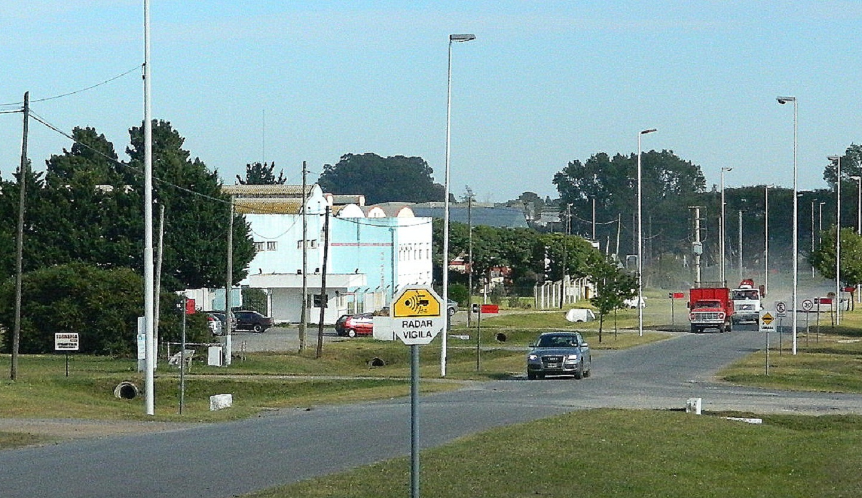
(740, 246)
(228, 334)
(303, 319)
(414, 420)
(640, 237)
(766, 241)
(838, 241)
(148, 221)
(183, 355)
(795, 250)
(452, 38)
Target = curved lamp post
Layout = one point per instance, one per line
(445, 296)
(795, 249)
(640, 239)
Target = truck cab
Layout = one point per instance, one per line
(746, 302)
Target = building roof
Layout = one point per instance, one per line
(503, 217)
(270, 191)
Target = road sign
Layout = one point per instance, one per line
(416, 302)
(416, 315)
(780, 308)
(67, 341)
(766, 321)
(807, 305)
(490, 308)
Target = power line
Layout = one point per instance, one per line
(75, 92)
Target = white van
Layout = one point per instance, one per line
(580, 315)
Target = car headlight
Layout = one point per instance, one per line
(532, 357)
(573, 357)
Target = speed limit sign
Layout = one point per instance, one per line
(780, 308)
(807, 305)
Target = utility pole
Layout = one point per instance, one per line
(302, 318)
(158, 286)
(565, 250)
(323, 298)
(228, 339)
(19, 244)
(740, 246)
(470, 259)
(697, 246)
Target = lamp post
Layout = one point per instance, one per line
(858, 216)
(795, 249)
(722, 231)
(640, 239)
(837, 161)
(766, 240)
(445, 296)
(812, 234)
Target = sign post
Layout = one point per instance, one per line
(417, 319)
(766, 325)
(66, 341)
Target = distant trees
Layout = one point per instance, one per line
(261, 174)
(382, 179)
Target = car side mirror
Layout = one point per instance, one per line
(585, 345)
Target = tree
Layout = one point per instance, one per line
(669, 185)
(823, 258)
(101, 305)
(379, 179)
(613, 286)
(196, 212)
(261, 174)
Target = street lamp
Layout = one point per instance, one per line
(837, 161)
(784, 100)
(766, 240)
(858, 216)
(722, 231)
(812, 234)
(640, 239)
(452, 39)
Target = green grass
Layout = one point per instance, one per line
(624, 454)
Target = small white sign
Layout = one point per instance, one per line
(66, 341)
(780, 308)
(413, 331)
(807, 304)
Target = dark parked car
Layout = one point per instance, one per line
(252, 320)
(559, 353)
(354, 325)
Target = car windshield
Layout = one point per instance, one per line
(557, 341)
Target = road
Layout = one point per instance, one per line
(228, 459)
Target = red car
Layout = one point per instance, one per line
(354, 325)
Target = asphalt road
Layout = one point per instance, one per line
(224, 460)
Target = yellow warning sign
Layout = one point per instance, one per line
(767, 318)
(416, 303)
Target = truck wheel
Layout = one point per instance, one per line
(721, 328)
(694, 329)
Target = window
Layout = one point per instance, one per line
(320, 300)
(259, 247)
(309, 243)
(272, 245)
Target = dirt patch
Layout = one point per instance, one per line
(82, 429)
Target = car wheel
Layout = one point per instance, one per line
(531, 375)
(258, 328)
(579, 373)
(450, 311)
(540, 376)
(589, 370)
(351, 333)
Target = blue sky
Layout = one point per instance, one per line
(544, 83)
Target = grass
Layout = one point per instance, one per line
(624, 454)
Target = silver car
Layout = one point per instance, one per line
(559, 353)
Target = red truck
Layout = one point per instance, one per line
(710, 307)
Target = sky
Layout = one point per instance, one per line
(543, 84)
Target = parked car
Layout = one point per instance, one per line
(354, 325)
(252, 320)
(214, 324)
(219, 314)
(451, 306)
(559, 353)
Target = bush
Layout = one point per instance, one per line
(458, 292)
(101, 305)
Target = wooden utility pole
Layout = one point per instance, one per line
(323, 298)
(19, 244)
(302, 318)
(469, 259)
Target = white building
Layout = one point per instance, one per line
(371, 252)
